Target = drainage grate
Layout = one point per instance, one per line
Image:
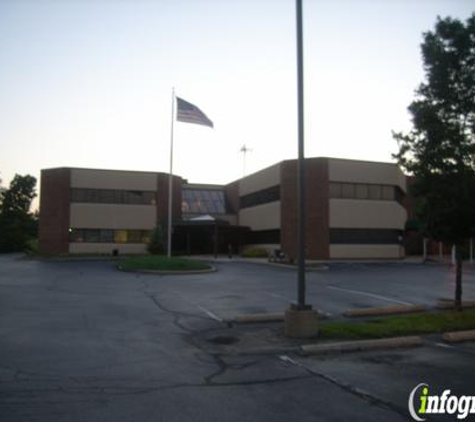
(223, 340)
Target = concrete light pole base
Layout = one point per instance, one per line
(301, 323)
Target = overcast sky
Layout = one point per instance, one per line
(87, 83)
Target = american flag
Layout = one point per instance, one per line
(189, 113)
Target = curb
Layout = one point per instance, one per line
(270, 350)
(385, 310)
(104, 258)
(163, 272)
(308, 268)
(449, 304)
(271, 317)
(458, 336)
(252, 318)
(361, 345)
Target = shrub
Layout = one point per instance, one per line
(162, 263)
(156, 245)
(255, 252)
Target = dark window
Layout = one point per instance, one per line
(94, 196)
(133, 197)
(263, 196)
(76, 235)
(365, 236)
(366, 191)
(107, 236)
(107, 196)
(78, 195)
(134, 236)
(91, 236)
(335, 190)
(112, 196)
(348, 190)
(361, 191)
(150, 198)
(263, 236)
(375, 192)
(389, 193)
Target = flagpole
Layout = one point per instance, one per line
(170, 182)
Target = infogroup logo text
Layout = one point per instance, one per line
(422, 404)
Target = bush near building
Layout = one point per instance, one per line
(255, 253)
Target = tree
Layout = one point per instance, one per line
(2, 189)
(156, 245)
(17, 224)
(440, 149)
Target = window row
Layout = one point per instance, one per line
(203, 201)
(263, 196)
(365, 236)
(113, 196)
(365, 191)
(108, 236)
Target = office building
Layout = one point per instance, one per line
(355, 209)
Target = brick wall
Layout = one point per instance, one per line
(232, 197)
(54, 211)
(317, 208)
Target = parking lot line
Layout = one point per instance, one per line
(357, 292)
(210, 314)
(445, 346)
(278, 296)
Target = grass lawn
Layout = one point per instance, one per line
(162, 263)
(393, 326)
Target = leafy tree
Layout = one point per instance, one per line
(2, 189)
(17, 224)
(440, 149)
(156, 245)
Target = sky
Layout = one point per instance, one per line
(88, 83)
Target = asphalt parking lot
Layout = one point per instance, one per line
(80, 341)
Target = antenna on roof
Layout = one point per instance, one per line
(244, 150)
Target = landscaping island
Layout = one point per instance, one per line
(400, 325)
(161, 263)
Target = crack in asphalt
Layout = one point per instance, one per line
(223, 367)
(214, 358)
(101, 394)
(86, 390)
(177, 315)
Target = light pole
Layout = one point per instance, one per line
(301, 162)
(300, 320)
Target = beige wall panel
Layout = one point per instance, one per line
(261, 180)
(107, 248)
(261, 217)
(365, 214)
(230, 218)
(366, 252)
(113, 179)
(109, 216)
(365, 172)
